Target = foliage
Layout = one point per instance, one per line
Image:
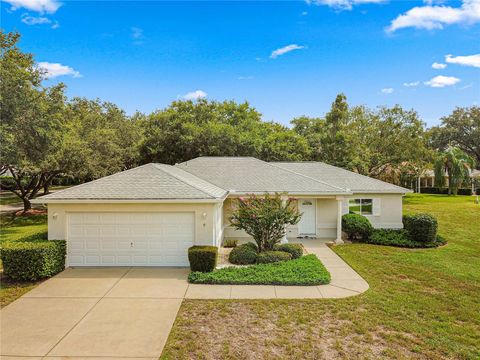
(188, 129)
(356, 226)
(43, 135)
(296, 250)
(264, 218)
(202, 258)
(267, 257)
(230, 243)
(454, 164)
(400, 238)
(385, 143)
(244, 254)
(33, 258)
(436, 190)
(421, 227)
(307, 270)
(462, 129)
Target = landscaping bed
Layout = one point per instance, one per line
(306, 270)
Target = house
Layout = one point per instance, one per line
(427, 181)
(150, 215)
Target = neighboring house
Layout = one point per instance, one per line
(150, 215)
(427, 180)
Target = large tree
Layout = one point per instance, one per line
(43, 135)
(188, 129)
(462, 129)
(32, 123)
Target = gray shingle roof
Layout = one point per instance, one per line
(151, 181)
(251, 175)
(341, 177)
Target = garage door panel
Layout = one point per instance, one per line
(106, 239)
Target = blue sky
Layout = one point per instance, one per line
(143, 55)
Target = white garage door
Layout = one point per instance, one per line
(129, 239)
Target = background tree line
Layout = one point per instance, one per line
(45, 135)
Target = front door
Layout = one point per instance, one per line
(307, 223)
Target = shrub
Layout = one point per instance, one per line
(400, 238)
(244, 254)
(356, 226)
(268, 257)
(230, 243)
(307, 270)
(296, 250)
(264, 218)
(202, 258)
(33, 258)
(421, 227)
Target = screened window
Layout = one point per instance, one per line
(361, 206)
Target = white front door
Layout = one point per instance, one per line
(129, 239)
(307, 224)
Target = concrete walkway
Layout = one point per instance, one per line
(128, 312)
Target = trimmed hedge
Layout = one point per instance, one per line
(356, 226)
(33, 258)
(202, 258)
(268, 257)
(421, 227)
(400, 238)
(245, 254)
(307, 270)
(296, 250)
(444, 191)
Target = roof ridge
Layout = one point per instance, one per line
(94, 181)
(308, 177)
(186, 181)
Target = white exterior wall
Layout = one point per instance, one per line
(206, 216)
(388, 217)
(389, 210)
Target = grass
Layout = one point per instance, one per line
(307, 270)
(13, 229)
(422, 304)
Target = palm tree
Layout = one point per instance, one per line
(455, 164)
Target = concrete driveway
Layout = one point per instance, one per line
(109, 312)
(128, 312)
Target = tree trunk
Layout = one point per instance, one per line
(27, 205)
(45, 188)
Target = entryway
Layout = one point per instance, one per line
(307, 224)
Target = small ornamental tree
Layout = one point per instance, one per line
(264, 218)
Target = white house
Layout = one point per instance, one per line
(150, 215)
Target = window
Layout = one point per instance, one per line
(361, 206)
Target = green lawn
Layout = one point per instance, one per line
(13, 229)
(422, 303)
(307, 270)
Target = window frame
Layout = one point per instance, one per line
(360, 203)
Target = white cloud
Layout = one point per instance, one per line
(32, 20)
(411, 84)
(195, 95)
(137, 35)
(438, 66)
(387, 91)
(436, 17)
(286, 49)
(304, 13)
(41, 6)
(39, 20)
(343, 4)
(245, 77)
(470, 60)
(53, 70)
(441, 81)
